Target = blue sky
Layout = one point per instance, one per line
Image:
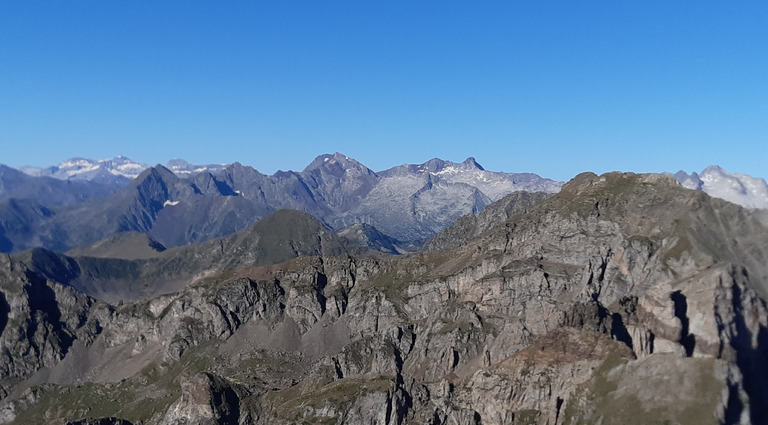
(550, 87)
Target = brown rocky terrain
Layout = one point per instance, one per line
(624, 299)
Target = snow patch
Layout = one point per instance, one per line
(447, 170)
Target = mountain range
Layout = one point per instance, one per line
(742, 189)
(182, 203)
(118, 169)
(620, 299)
(407, 204)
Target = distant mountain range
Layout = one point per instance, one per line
(741, 189)
(184, 203)
(395, 210)
(116, 170)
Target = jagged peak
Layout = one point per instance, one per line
(471, 162)
(159, 171)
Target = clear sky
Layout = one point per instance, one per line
(551, 87)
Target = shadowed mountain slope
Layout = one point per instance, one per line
(279, 237)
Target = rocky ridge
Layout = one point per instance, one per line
(622, 299)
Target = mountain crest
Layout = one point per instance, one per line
(472, 163)
(441, 166)
(158, 172)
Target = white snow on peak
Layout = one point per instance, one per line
(448, 170)
(495, 185)
(84, 168)
(183, 168)
(741, 189)
(88, 169)
(171, 203)
(110, 169)
(76, 163)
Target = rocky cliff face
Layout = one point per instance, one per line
(622, 299)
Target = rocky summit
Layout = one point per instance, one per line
(622, 299)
